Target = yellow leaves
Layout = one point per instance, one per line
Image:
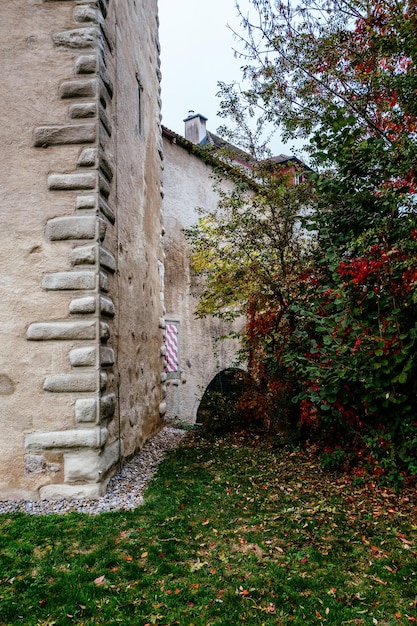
(198, 565)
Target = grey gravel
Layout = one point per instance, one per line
(125, 490)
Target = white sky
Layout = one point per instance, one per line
(196, 53)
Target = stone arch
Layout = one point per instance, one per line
(223, 388)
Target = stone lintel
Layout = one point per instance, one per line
(66, 439)
(47, 331)
(63, 281)
(71, 383)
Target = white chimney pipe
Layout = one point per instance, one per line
(195, 127)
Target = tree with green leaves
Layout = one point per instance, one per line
(343, 74)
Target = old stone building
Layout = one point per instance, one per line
(93, 354)
(194, 353)
(81, 287)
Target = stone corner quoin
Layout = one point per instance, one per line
(67, 365)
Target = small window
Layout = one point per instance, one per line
(172, 349)
(140, 105)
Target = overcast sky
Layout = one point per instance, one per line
(196, 53)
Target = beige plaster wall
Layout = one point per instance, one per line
(188, 185)
(137, 194)
(33, 71)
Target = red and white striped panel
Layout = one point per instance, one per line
(171, 342)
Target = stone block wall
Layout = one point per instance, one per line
(81, 287)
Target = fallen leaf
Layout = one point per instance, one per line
(195, 567)
(100, 580)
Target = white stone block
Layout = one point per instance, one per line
(87, 158)
(107, 260)
(83, 357)
(104, 331)
(106, 356)
(86, 410)
(63, 439)
(72, 182)
(83, 305)
(86, 202)
(84, 255)
(71, 383)
(71, 227)
(45, 331)
(62, 281)
(72, 492)
(103, 281)
(107, 306)
(107, 406)
(77, 38)
(90, 465)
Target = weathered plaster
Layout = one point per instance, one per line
(80, 225)
(188, 185)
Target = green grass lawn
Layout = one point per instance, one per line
(230, 533)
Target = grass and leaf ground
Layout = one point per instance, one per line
(232, 531)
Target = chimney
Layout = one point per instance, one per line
(195, 127)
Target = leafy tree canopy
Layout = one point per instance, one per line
(336, 320)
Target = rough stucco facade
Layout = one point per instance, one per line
(188, 184)
(81, 285)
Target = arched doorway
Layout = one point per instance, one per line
(218, 410)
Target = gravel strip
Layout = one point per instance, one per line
(125, 490)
